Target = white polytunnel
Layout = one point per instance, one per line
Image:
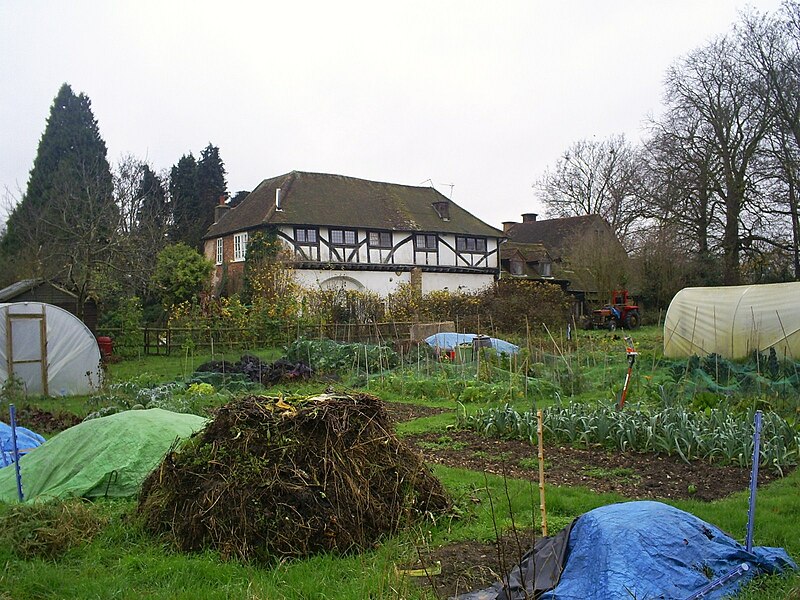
(48, 349)
(734, 321)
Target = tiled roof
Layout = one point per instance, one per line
(529, 252)
(556, 234)
(322, 199)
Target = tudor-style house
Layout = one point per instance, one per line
(351, 233)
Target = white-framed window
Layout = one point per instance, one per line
(239, 246)
(219, 251)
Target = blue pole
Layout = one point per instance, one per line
(751, 512)
(13, 414)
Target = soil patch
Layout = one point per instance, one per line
(472, 565)
(402, 411)
(632, 474)
(45, 422)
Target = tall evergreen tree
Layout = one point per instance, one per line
(210, 186)
(183, 199)
(64, 227)
(151, 201)
(195, 187)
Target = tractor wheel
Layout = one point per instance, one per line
(632, 320)
(612, 324)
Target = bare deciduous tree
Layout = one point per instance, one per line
(596, 177)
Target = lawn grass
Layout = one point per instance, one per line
(124, 562)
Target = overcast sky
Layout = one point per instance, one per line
(482, 96)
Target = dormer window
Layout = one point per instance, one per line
(544, 269)
(442, 209)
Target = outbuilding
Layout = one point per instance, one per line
(48, 349)
(734, 321)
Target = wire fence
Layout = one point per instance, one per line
(155, 340)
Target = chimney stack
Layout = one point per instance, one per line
(507, 225)
(221, 208)
(529, 217)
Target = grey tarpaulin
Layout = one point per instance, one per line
(538, 571)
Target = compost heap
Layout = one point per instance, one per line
(290, 477)
(260, 372)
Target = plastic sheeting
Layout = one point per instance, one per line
(538, 571)
(109, 456)
(651, 550)
(449, 341)
(27, 440)
(734, 321)
(51, 350)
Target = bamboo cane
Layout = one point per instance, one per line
(541, 471)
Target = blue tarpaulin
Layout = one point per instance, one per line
(26, 440)
(643, 550)
(653, 550)
(449, 341)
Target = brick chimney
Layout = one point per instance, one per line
(221, 208)
(507, 225)
(529, 217)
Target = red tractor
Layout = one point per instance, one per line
(622, 312)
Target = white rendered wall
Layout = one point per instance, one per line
(455, 282)
(383, 283)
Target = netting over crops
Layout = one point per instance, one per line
(761, 374)
(273, 476)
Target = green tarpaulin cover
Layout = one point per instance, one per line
(109, 456)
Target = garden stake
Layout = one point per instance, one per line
(541, 471)
(13, 417)
(733, 573)
(751, 511)
(632, 354)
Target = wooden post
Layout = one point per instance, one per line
(541, 471)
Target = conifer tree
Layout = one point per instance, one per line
(64, 227)
(211, 186)
(183, 199)
(195, 189)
